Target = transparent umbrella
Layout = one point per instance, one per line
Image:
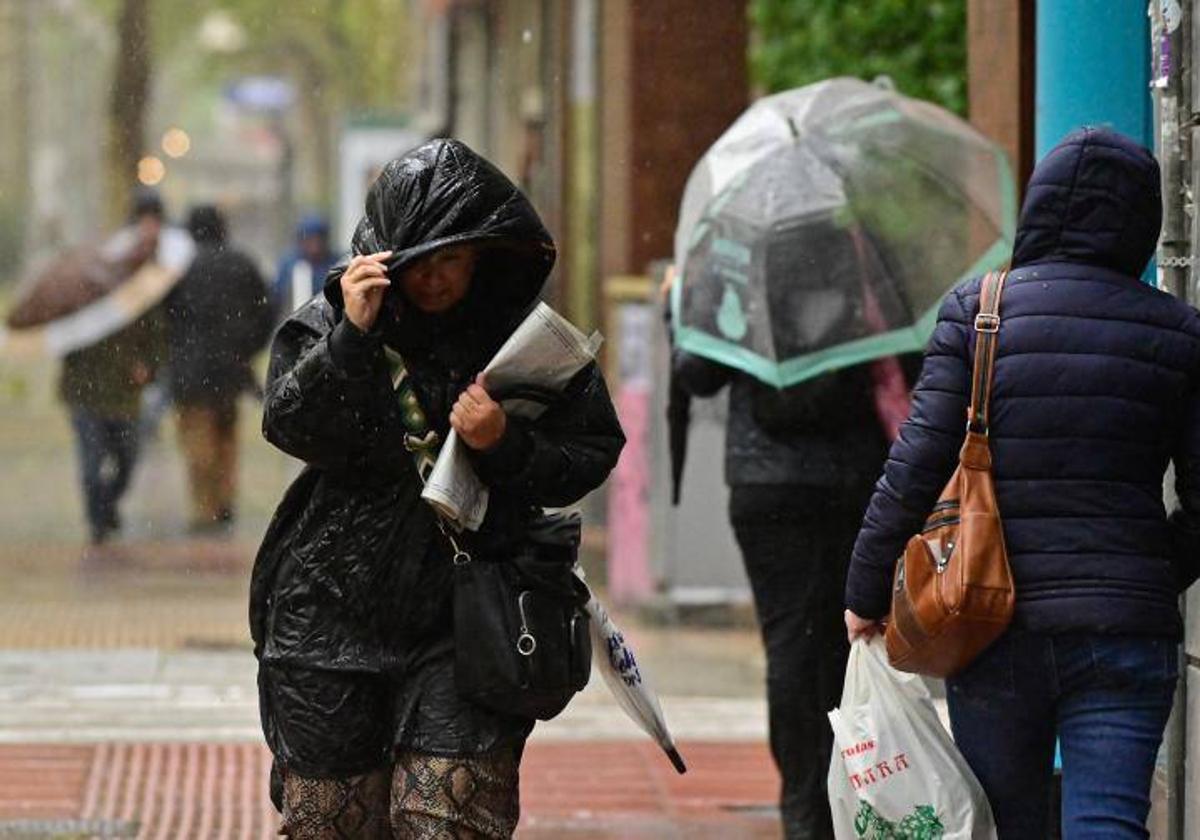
(824, 227)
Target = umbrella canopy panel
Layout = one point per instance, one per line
(836, 218)
(83, 296)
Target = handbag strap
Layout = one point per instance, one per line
(987, 329)
(421, 441)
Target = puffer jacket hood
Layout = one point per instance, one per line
(440, 194)
(1094, 199)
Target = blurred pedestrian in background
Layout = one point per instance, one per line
(302, 271)
(102, 384)
(799, 463)
(218, 319)
(1096, 389)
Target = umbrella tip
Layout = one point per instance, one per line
(676, 760)
(795, 131)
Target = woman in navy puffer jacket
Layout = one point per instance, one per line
(1096, 391)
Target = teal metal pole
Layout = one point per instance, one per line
(1093, 68)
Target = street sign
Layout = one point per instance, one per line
(261, 93)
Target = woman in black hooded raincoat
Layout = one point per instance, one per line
(351, 597)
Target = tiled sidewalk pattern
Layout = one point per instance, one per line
(218, 791)
(127, 697)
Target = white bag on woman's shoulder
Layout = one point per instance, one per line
(895, 771)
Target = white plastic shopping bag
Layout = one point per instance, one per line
(895, 773)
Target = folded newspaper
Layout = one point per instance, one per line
(545, 352)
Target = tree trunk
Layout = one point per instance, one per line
(127, 108)
(16, 33)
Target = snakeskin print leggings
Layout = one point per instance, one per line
(423, 797)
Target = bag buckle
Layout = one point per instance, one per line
(526, 644)
(985, 322)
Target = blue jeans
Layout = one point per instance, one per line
(107, 449)
(1106, 698)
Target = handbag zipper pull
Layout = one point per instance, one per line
(943, 560)
(526, 643)
(461, 556)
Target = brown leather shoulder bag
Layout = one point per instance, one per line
(953, 593)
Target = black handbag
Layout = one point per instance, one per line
(521, 635)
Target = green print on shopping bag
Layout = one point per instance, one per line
(921, 824)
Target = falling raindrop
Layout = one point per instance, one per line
(527, 36)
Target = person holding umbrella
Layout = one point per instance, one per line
(800, 464)
(102, 383)
(815, 240)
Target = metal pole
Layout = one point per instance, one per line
(1170, 65)
(1092, 67)
(1172, 38)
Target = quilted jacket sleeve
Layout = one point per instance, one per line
(328, 398)
(919, 464)
(565, 453)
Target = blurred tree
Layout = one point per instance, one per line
(921, 46)
(128, 101)
(15, 133)
(342, 57)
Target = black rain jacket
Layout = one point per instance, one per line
(218, 319)
(353, 575)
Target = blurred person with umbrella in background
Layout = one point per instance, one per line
(218, 319)
(301, 272)
(816, 238)
(97, 308)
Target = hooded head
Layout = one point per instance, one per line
(146, 202)
(1094, 199)
(442, 194)
(312, 237)
(312, 224)
(206, 225)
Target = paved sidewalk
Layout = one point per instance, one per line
(49, 696)
(217, 790)
(128, 705)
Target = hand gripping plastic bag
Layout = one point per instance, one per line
(895, 773)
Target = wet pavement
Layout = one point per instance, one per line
(127, 693)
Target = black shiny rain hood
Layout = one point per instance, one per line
(442, 193)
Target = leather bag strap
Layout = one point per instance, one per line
(987, 328)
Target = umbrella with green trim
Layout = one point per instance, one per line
(824, 227)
